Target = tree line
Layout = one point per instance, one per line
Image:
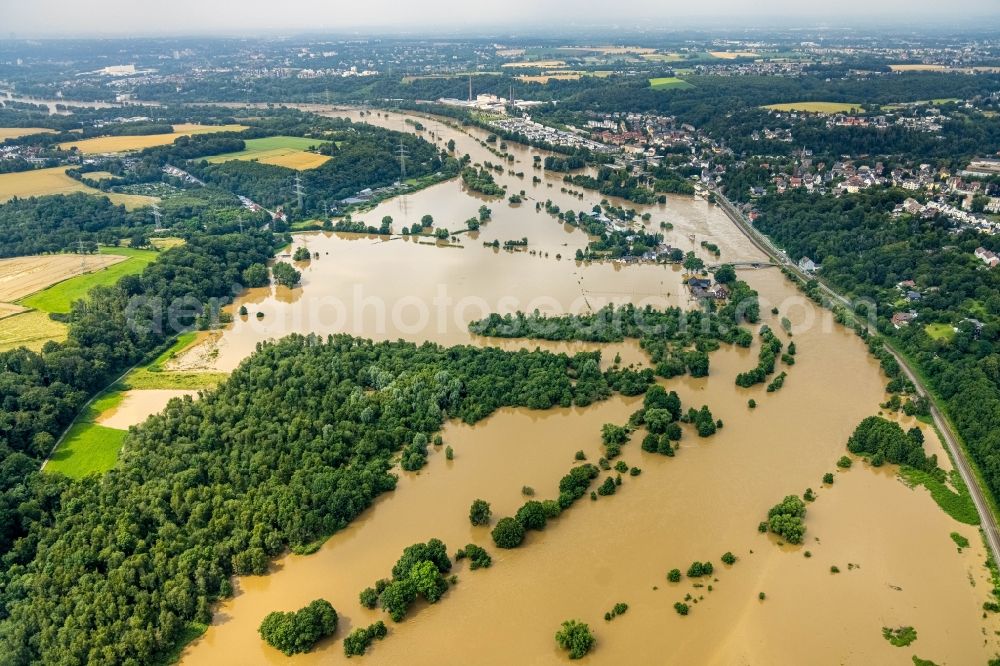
(295, 444)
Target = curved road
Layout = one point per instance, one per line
(962, 464)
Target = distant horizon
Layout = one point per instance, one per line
(102, 19)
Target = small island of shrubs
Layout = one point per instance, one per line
(298, 631)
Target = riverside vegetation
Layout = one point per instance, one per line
(352, 405)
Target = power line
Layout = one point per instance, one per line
(299, 191)
(157, 218)
(402, 160)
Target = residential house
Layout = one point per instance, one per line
(901, 319)
(987, 257)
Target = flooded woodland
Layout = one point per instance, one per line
(898, 564)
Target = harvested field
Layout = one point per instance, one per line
(43, 182)
(527, 64)
(99, 175)
(59, 297)
(29, 329)
(919, 67)
(15, 132)
(122, 144)
(8, 309)
(22, 276)
(131, 201)
(285, 151)
(165, 243)
(815, 107)
(732, 55)
(663, 57)
(39, 182)
(554, 76)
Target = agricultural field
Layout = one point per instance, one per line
(662, 57)
(131, 201)
(166, 242)
(43, 182)
(8, 309)
(919, 67)
(16, 132)
(30, 329)
(527, 64)
(285, 151)
(668, 82)
(815, 107)
(124, 144)
(410, 78)
(550, 76)
(99, 175)
(59, 297)
(733, 55)
(22, 276)
(610, 50)
(565, 75)
(39, 182)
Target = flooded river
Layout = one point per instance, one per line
(897, 564)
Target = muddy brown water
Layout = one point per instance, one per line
(137, 405)
(898, 565)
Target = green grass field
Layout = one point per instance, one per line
(59, 297)
(668, 82)
(89, 447)
(940, 331)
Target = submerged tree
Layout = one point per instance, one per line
(575, 638)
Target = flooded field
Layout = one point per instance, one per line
(897, 563)
(138, 405)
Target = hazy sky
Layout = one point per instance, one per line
(25, 18)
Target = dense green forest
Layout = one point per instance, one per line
(678, 341)
(220, 485)
(866, 252)
(114, 328)
(62, 223)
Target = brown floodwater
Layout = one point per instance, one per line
(898, 565)
(137, 405)
(416, 289)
